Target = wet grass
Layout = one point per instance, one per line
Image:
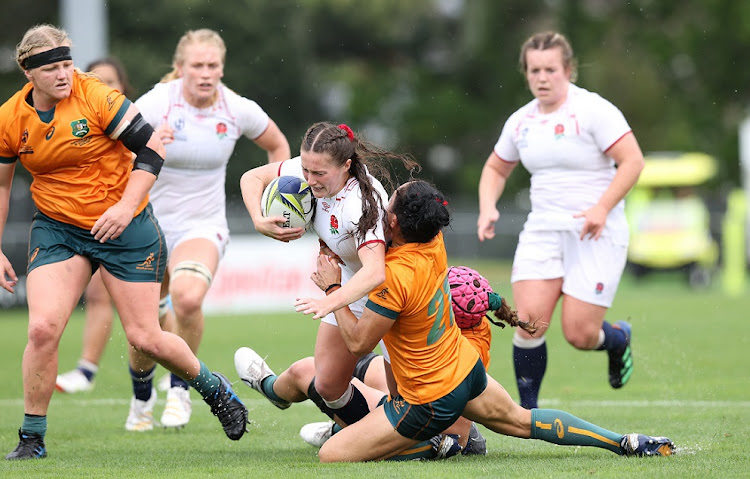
(690, 383)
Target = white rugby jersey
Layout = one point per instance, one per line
(335, 222)
(565, 153)
(190, 188)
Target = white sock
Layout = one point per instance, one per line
(88, 366)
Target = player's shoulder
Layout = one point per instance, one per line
(400, 264)
(402, 267)
(167, 86)
(584, 98)
(162, 90)
(378, 187)
(352, 194)
(247, 111)
(88, 84)
(13, 105)
(234, 99)
(291, 167)
(11, 114)
(592, 109)
(230, 94)
(155, 102)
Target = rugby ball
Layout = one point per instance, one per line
(290, 197)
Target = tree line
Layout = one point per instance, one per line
(439, 78)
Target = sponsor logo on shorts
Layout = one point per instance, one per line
(147, 265)
(32, 257)
(80, 127)
(599, 288)
(398, 405)
(382, 293)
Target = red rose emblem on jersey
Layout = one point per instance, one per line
(559, 131)
(221, 130)
(599, 288)
(334, 225)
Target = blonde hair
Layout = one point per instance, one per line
(204, 35)
(545, 41)
(40, 36)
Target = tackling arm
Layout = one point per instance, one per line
(365, 280)
(362, 335)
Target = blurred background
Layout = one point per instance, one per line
(438, 79)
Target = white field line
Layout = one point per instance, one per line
(677, 403)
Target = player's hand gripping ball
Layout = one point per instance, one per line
(470, 295)
(290, 197)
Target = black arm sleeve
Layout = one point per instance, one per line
(135, 137)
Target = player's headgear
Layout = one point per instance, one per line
(472, 296)
(54, 55)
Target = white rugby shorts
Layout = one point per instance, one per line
(591, 270)
(218, 234)
(357, 308)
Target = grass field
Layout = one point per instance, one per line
(691, 383)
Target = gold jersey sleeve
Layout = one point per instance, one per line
(480, 336)
(78, 170)
(429, 356)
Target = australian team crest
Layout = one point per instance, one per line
(80, 127)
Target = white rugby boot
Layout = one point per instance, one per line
(178, 409)
(73, 382)
(252, 369)
(141, 415)
(316, 433)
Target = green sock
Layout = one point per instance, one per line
(205, 382)
(420, 450)
(559, 427)
(34, 424)
(267, 386)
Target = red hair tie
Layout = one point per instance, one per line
(349, 132)
(445, 203)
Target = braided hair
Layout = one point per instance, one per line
(340, 143)
(421, 210)
(40, 36)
